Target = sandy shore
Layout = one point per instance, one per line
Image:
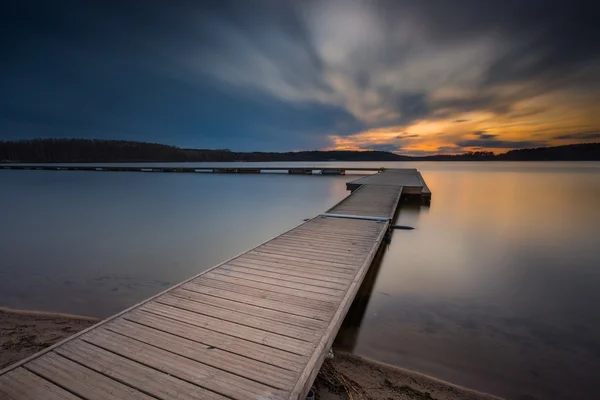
(23, 333)
(347, 376)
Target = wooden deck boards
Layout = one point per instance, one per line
(257, 326)
(409, 178)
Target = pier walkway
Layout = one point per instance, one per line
(257, 326)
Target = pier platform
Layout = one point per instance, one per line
(257, 326)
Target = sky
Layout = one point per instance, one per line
(413, 77)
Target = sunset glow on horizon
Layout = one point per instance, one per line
(411, 77)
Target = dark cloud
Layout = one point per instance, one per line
(589, 135)
(544, 38)
(461, 120)
(550, 40)
(500, 144)
(406, 135)
(483, 140)
(384, 147)
(410, 106)
(483, 135)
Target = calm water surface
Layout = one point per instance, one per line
(497, 288)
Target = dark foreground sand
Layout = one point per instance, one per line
(23, 333)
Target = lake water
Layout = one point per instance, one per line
(497, 288)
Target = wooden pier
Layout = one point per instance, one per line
(204, 169)
(409, 178)
(257, 326)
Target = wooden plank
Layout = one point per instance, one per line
(151, 381)
(328, 232)
(333, 262)
(358, 229)
(266, 286)
(351, 262)
(335, 222)
(371, 198)
(331, 223)
(290, 298)
(280, 328)
(282, 276)
(292, 271)
(365, 231)
(309, 286)
(341, 230)
(327, 239)
(336, 251)
(336, 231)
(322, 241)
(244, 332)
(231, 344)
(329, 245)
(380, 201)
(327, 242)
(341, 223)
(268, 301)
(340, 251)
(239, 365)
(20, 384)
(249, 309)
(340, 247)
(196, 373)
(80, 380)
(297, 265)
(380, 211)
(374, 206)
(324, 221)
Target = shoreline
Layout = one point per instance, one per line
(48, 314)
(25, 332)
(346, 376)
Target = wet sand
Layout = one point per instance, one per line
(23, 333)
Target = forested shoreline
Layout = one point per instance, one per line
(96, 150)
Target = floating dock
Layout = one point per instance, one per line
(257, 326)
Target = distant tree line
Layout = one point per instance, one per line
(572, 152)
(95, 150)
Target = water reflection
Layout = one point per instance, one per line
(348, 334)
(496, 288)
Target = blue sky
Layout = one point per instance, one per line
(407, 76)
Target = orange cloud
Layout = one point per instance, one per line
(553, 119)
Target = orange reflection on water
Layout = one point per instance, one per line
(496, 288)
